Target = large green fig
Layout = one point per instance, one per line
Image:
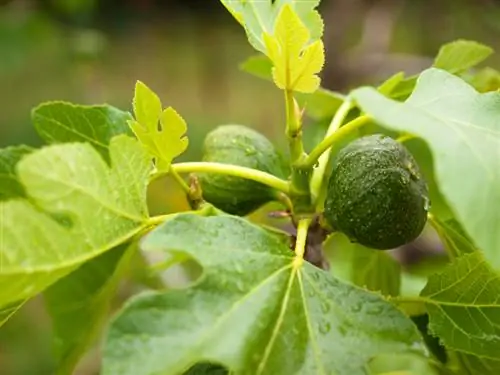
(376, 195)
(242, 146)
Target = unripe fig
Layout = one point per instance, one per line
(376, 194)
(242, 146)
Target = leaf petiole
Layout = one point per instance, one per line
(180, 181)
(153, 221)
(322, 165)
(157, 220)
(335, 138)
(405, 138)
(300, 244)
(230, 170)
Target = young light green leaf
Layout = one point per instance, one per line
(164, 142)
(296, 63)
(10, 187)
(460, 55)
(61, 122)
(259, 66)
(259, 17)
(78, 208)
(375, 270)
(79, 304)
(463, 303)
(254, 310)
(461, 128)
(147, 106)
(388, 86)
(319, 105)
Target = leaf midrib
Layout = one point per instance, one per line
(317, 352)
(81, 190)
(213, 327)
(79, 259)
(70, 130)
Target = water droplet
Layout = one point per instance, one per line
(240, 286)
(325, 307)
(315, 276)
(342, 330)
(427, 203)
(250, 151)
(324, 327)
(356, 307)
(238, 268)
(311, 292)
(375, 310)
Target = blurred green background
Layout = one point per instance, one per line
(93, 51)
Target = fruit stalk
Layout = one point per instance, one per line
(233, 170)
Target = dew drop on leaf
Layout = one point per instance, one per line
(325, 307)
(240, 286)
(238, 268)
(324, 327)
(375, 310)
(356, 308)
(427, 203)
(342, 330)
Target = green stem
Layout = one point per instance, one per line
(300, 191)
(322, 165)
(157, 220)
(405, 138)
(233, 170)
(335, 138)
(293, 128)
(300, 244)
(160, 219)
(180, 181)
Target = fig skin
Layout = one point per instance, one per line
(376, 194)
(242, 146)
